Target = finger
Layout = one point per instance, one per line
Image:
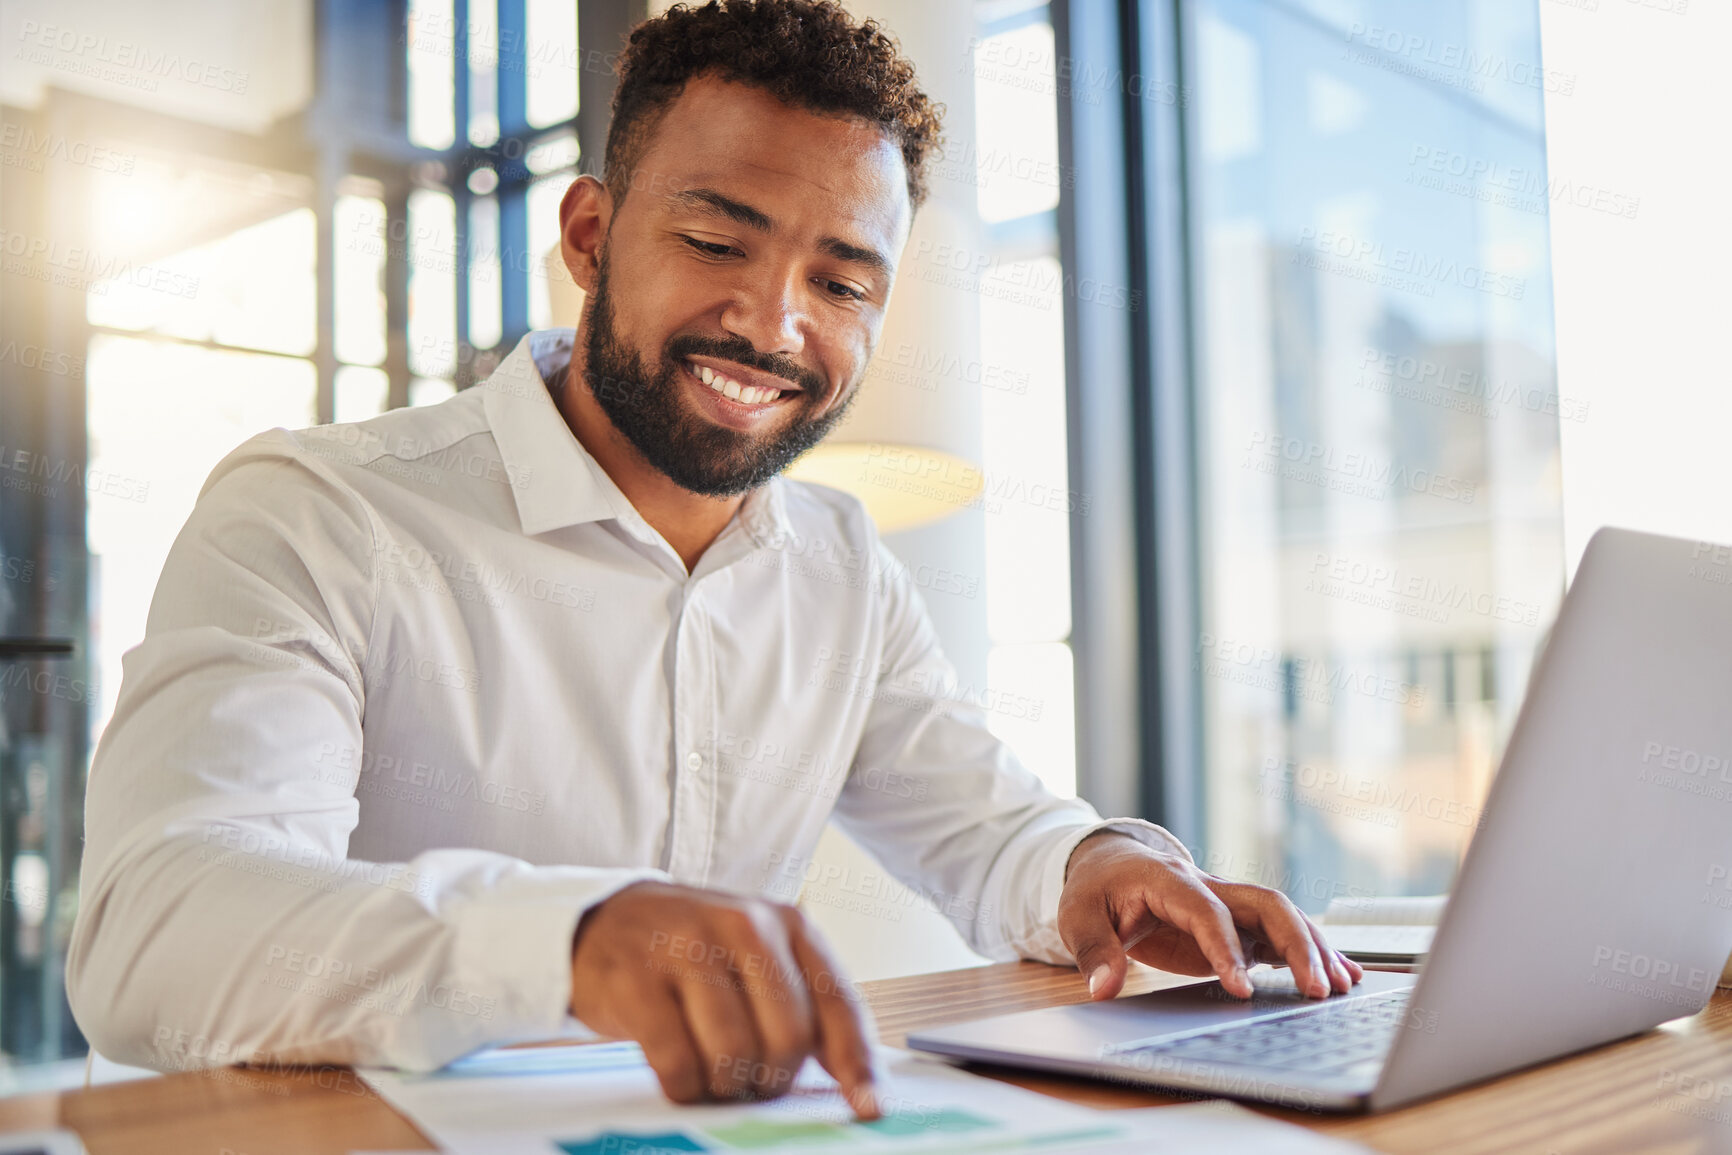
(781, 1006)
(1351, 969)
(1273, 916)
(1088, 932)
(1341, 979)
(1264, 953)
(1334, 968)
(844, 1030)
(1170, 949)
(1197, 911)
(721, 1024)
(1355, 972)
(659, 1027)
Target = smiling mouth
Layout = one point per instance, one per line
(733, 390)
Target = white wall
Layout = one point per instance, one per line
(1644, 304)
(240, 64)
(879, 928)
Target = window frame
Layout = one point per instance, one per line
(1123, 222)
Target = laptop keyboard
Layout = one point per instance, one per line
(1347, 1037)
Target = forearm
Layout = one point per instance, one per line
(231, 946)
(972, 827)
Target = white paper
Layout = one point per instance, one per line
(1220, 1126)
(604, 1100)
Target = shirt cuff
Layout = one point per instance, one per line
(1045, 944)
(514, 946)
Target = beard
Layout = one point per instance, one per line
(696, 454)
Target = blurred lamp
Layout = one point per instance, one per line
(902, 486)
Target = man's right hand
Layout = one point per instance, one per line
(726, 995)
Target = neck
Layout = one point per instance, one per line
(688, 521)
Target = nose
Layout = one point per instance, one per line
(766, 311)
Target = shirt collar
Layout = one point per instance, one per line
(765, 514)
(555, 481)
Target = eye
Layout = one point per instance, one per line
(843, 292)
(708, 248)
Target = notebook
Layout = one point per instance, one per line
(1384, 932)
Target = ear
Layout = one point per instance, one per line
(584, 215)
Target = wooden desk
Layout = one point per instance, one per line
(1618, 1100)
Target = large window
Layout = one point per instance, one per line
(362, 254)
(1327, 412)
(1378, 523)
(1377, 428)
(204, 370)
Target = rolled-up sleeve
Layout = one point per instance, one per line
(949, 809)
(220, 917)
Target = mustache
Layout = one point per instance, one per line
(740, 350)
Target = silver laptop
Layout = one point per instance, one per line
(1595, 901)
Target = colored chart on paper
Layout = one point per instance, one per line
(758, 1133)
(761, 1134)
(602, 1099)
(627, 1143)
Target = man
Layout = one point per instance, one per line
(435, 736)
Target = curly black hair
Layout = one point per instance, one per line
(810, 54)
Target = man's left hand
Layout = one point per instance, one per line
(1125, 899)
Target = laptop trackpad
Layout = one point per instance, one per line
(1085, 1030)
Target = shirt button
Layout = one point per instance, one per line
(694, 761)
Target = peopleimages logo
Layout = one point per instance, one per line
(1381, 801)
(1705, 774)
(1632, 972)
(1419, 52)
(1385, 585)
(347, 981)
(1349, 472)
(1315, 679)
(1711, 563)
(1684, 760)
(1394, 266)
(39, 474)
(1387, 373)
(22, 146)
(74, 266)
(121, 61)
(1523, 188)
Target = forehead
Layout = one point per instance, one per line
(808, 170)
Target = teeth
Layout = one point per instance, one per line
(710, 377)
(744, 394)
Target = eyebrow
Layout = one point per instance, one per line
(843, 251)
(712, 203)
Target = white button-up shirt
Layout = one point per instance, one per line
(416, 692)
